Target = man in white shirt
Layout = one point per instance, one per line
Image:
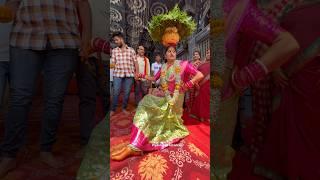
(141, 85)
(156, 66)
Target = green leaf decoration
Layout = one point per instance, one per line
(180, 19)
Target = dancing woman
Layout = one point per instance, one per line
(190, 95)
(157, 123)
(245, 24)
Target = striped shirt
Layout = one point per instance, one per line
(124, 61)
(39, 23)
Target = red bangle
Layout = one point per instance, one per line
(189, 84)
(141, 75)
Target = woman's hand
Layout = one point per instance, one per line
(197, 86)
(157, 92)
(280, 79)
(149, 78)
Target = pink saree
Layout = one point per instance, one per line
(292, 147)
(245, 25)
(191, 94)
(156, 124)
(200, 109)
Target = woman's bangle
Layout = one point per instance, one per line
(142, 76)
(189, 84)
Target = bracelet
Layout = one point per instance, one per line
(104, 44)
(189, 84)
(141, 76)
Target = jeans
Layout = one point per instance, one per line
(89, 81)
(245, 105)
(117, 84)
(4, 78)
(58, 66)
(140, 90)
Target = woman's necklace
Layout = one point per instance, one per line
(166, 76)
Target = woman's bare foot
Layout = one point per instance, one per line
(115, 153)
(7, 165)
(118, 152)
(49, 159)
(126, 153)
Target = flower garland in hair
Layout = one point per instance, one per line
(166, 76)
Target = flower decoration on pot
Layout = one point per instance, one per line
(171, 27)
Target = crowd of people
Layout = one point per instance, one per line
(131, 65)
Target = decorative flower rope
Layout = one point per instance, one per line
(166, 76)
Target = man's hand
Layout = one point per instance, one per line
(85, 49)
(6, 14)
(86, 20)
(136, 76)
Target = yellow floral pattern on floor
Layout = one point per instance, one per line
(153, 166)
(189, 159)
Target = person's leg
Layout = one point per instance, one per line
(145, 88)
(4, 68)
(127, 89)
(24, 68)
(103, 85)
(111, 90)
(5, 99)
(116, 92)
(59, 66)
(87, 84)
(137, 91)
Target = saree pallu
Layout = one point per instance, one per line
(200, 109)
(190, 98)
(292, 147)
(201, 106)
(156, 125)
(245, 25)
(191, 94)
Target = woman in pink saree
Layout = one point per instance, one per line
(190, 95)
(158, 120)
(200, 109)
(245, 24)
(292, 148)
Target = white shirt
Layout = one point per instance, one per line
(155, 68)
(5, 29)
(142, 65)
(111, 74)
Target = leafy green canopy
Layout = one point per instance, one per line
(180, 19)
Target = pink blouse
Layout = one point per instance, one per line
(254, 26)
(187, 70)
